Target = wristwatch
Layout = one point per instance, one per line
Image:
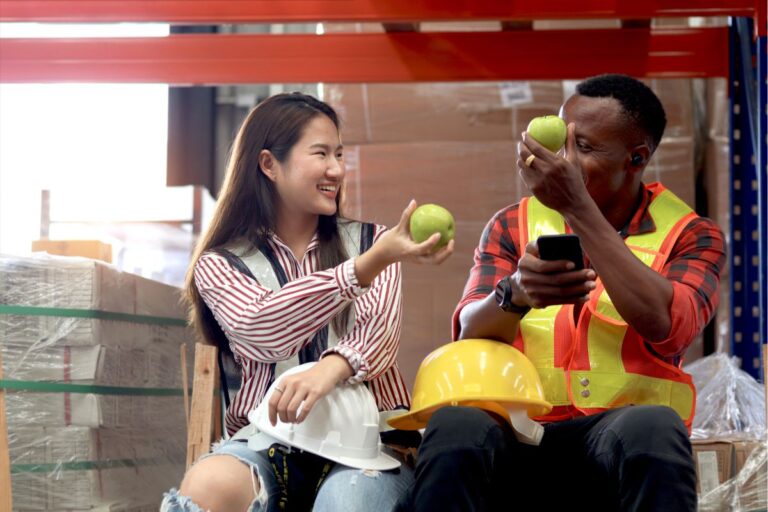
(504, 298)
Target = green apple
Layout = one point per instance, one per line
(549, 131)
(428, 219)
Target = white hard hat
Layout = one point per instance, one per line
(343, 426)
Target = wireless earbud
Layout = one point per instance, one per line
(637, 159)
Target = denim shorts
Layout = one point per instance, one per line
(345, 489)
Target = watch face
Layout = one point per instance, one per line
(502, 292)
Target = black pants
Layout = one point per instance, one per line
(628, 459)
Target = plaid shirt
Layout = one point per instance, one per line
(693, 268)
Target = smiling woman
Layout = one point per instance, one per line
(281, 279)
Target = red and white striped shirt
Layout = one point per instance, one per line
(265, 326)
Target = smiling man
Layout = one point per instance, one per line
(607, 340)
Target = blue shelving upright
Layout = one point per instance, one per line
(749, 194)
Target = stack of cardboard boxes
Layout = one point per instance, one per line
(96, 418)
(718, 461)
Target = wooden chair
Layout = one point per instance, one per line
(204, 417)
(5, 459)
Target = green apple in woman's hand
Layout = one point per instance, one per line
(428, 219)
(549, 131)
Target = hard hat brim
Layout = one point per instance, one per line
(418, 419)
(263, 440)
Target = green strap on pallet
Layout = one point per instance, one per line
(83, 465)
(90, 313)
(65, 387)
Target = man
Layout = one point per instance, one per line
(607, 340)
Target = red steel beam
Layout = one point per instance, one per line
(301, 11)
(388, 57)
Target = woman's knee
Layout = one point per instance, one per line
(220, 483)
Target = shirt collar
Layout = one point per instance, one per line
(313, 244)
(641, 221)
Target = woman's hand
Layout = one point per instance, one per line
(397, 245)
(296, 394)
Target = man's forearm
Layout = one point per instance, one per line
(485, 319)
(641, 296)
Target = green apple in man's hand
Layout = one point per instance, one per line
(428, 219)
(549, 131)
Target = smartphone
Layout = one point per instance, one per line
(561, 247)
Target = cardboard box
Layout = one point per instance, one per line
(673, 165)
(714, 462)
(471, 179)
(718, 108)
(90, 410)
(27, 330)
(93, 249)
(676, 95)
(135, 488)
(465, 111)
(153, 365)
(741, 452)
(154, 298)
(60, 282)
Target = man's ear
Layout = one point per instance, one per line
(639, 156)
(268, 164)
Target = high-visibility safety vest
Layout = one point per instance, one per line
(263, 265)
(600, 362)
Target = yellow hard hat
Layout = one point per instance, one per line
(487, 374)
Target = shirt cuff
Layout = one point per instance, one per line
(347, 280)
(355, 360)
(686, 325)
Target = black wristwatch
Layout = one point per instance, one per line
(504, 298)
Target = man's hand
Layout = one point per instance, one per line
(555, 181)
(539, 283)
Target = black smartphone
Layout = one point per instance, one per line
(561, 247)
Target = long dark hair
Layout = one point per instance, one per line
(246, 206)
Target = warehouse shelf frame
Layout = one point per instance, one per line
(389, 11)
(408, 56)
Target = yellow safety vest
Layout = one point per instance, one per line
(600, 362)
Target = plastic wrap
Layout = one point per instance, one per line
(747, 491)
(730, 404)
(92, 377)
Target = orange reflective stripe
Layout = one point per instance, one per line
(522, 223)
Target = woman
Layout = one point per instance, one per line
(280, 279)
